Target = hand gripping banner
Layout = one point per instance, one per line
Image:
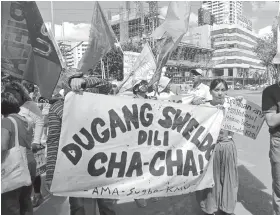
(118, 147)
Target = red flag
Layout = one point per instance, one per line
(43, 66)
(170, 34)
(101, 40)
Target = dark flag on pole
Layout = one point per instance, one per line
(43, 66)
(101, 40)
(27, 49)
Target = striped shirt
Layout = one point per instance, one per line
(94, 85)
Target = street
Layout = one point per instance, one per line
(254, 195)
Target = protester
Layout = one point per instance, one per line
(17, 201)
(140, 90)
(271, 109)
(114, 89)
(32, 90)
(199, 91)
(223, 196)
(31, 111)
(44, 107)
(75, 83)
(164, 91)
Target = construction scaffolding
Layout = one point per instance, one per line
(135, 23)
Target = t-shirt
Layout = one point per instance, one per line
(24, 133)
(202, 91)
(271, 104)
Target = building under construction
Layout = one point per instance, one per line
(136, 24)
(133, 22)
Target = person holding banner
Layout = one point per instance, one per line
(32, 112)
(164, 92)
(75, 82)
(271, 109)
(140, 90)
(200, 92)
(223, 196)
(16, 201)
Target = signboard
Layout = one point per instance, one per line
(129, 59)
(123, 148)
(143, 68)
(245, 117)
(41, 162)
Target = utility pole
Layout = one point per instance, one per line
(52, 19)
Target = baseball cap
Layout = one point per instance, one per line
(197, 71)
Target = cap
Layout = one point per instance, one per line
(198, 71)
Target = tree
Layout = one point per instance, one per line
(257, 77)
(266, 49)
(113, 60)
(244, 73)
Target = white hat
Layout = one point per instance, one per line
(199, 71)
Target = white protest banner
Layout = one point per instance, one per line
(187, 98)
(129, 59)
(15, 44)
(118, 147)
(244, 117)
(176, 98)
(143, 69)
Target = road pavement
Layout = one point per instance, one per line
(254, 195)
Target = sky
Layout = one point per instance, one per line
(77, 15)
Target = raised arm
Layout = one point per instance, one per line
(101, 84)
(77, 82)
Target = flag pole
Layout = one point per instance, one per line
(52, 19)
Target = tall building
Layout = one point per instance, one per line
(65, 47)
(233, 55)
(78, 52)
(227, 12)
(74, 56)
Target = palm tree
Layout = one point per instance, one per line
(257, 77)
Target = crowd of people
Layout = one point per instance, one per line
(39, 122)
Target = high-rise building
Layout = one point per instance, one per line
(227, 12)
(65, 48)
(78, 52)
(73, 51)
(234, 55)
